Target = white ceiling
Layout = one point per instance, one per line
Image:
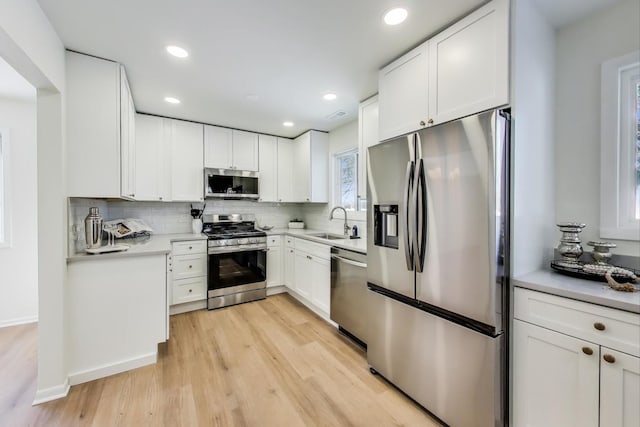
(13, 85)
(288, 53)
(254, 63)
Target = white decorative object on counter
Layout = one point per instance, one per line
(196, 225)
(107, 249)
(295, 224)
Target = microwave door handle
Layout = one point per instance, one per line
(420, 233)
(408, 241)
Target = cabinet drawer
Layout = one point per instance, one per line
(274, 241)
(606, 326)
(316, 249)
(289, 241)
(185, 266)
(190, 247)
(187, 290)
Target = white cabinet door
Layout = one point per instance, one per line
(285, 170)
(289, 267)
(302, 168)
(93, 126)
(555, 378)
(152, 172)
(303, 283)
(469, 64)
(367, 136)
(403, 91)
(619, 389)
(274, 266)
(320, 274)
(268, 163)
(187, 181)
(127, 140)
(245, 150)
(319, 167)
(218, 147)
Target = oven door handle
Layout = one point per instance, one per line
(227, 249)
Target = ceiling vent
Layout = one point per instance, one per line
(337, 115)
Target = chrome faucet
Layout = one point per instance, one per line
(346, 226)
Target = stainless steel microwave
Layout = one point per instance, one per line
(230, 184)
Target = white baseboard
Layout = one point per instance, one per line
(52, 393)
(116, 368)
(187, 306)
(274, 290)
(18, 321)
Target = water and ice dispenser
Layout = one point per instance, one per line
(385, 225)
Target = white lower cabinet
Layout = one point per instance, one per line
(565, 372)
(289, 262)
(313, 274)
(274, 261)
(188, 272)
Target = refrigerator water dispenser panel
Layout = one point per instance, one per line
(385, 225)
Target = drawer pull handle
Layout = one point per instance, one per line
(599, 326)
(587, 350)
(609, 358)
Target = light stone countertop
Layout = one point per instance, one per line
(579, 289)
(357, 245)
(154, 245)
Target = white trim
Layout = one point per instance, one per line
(19, 321)
(616, 219)
(52, 393)
(112, 369)
(275, 290)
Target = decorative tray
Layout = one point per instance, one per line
(577, 269)
(107, 249)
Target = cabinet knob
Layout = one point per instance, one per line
(422, 123)
(308, 257)
(307, 199)
(279, 200)
(430, 121)
(599, 326)
(587, 350)
(190, 266)
(609, 358)
(190, 247)
(190, 290)
(132, 195)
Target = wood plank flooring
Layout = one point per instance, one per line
(266, 363)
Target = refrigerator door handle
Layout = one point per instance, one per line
(420, 229)
(408, 241)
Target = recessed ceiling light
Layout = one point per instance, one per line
(330, 96)
(177, 51)
(172, 100)
(395, 16)
(287, 124)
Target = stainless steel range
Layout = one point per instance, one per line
(237, 261)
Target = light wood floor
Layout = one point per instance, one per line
(266, 363)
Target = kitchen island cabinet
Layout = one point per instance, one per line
(575, 363)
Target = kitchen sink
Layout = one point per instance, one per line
(328, 236)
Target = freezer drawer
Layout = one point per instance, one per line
(452, 371)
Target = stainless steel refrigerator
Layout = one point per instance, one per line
(437, 255)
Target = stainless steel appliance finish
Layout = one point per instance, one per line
(349, 292)
(231, 184)
(438, 266)
(237, 265)
(93, 229)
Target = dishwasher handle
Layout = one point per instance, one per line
(350, 262)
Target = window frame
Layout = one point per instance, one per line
(617, 143)
(5, 217)
(356, 215)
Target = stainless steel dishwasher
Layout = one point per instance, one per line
(349, 293)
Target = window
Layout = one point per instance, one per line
(346, 180)
(620, 144)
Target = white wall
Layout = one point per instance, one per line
(581, 49)
(532, 100)
(19, 260)
(31, 46)
(316, 216)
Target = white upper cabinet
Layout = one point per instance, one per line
(311, 167)
(367, 136)
(403, 90)
(153, 163)
(268, 163)
(127, 139)
(187, 178)
(461, 71)
(94, 108)
(285, 170)
(469, 64)
(230, 149)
